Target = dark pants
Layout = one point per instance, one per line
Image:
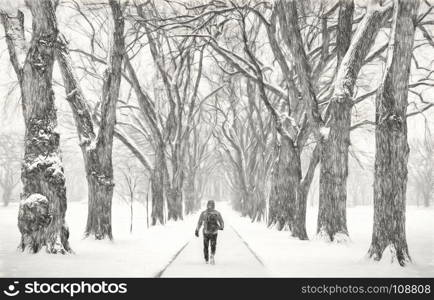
(207, 238)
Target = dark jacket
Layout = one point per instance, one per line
(204, 216)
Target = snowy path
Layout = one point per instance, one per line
(233, 259)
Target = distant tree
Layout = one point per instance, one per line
(131, 187)
(421, 168)
(11, 149)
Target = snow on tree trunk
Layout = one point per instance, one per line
(332, 223)
(41, 218)
(36, 216)
(388, 237)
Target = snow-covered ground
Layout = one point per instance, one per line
(146, 252)
(143, 253)
(288, 257)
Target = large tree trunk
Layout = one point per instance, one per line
(100, 185)
(334, 159)
(41, 217)
(332, 221)
(391, 139)
(332, 224)
(287, 206)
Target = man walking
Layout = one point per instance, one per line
(212, 222)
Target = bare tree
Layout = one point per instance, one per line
(97, 147)
(132, 186)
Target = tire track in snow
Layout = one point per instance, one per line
(159, 274)
(248, 246)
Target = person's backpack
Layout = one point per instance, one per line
(212, 222)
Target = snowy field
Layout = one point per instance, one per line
(146, 252)
(288, 257)
(140, 254)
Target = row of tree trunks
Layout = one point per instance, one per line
(391, 139)
(289, 191)
(332, 224)
(285, 189)
(41, 218)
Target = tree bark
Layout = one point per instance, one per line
(332, 224)
(41, 217)
(282, 197)
(157, 184)
(174, 190)
(288, 20)
(391, 139)
(345, 27)
(288, 197)
(190, 193)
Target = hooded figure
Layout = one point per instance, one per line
(212, 222)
